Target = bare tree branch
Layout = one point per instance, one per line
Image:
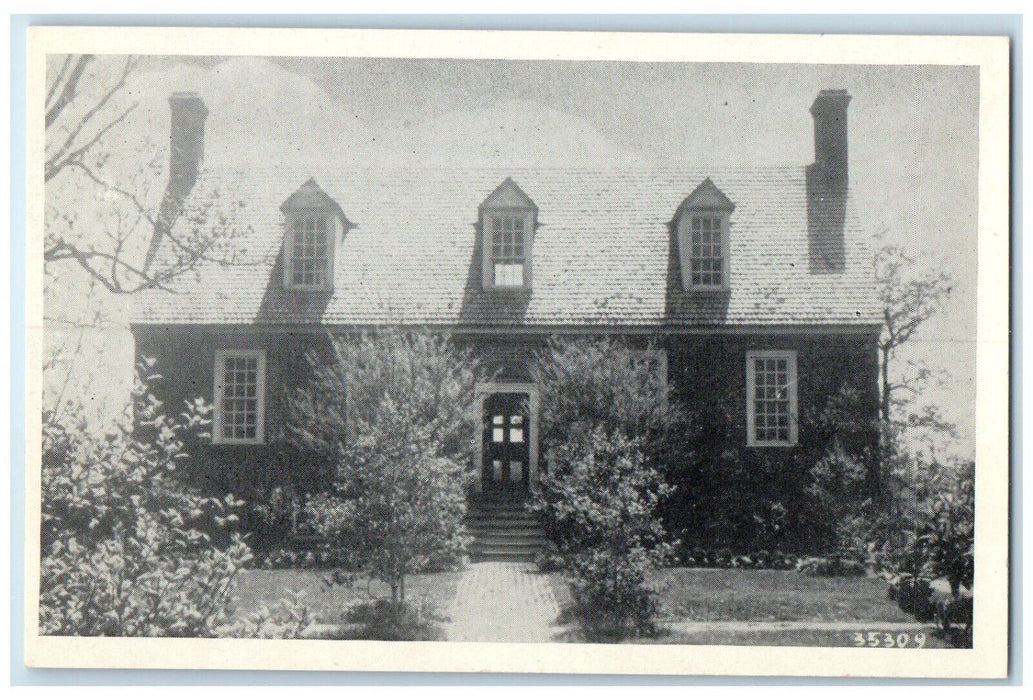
(910, 297)
(71, 84)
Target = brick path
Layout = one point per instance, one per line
(503, 602)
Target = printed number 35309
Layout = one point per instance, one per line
(888, 640)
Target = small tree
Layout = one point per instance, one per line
(394, 413)
(909, 298)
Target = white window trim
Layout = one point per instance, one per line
(685, 249)
(220, 371)
(794, 413)
(481, 393)
(487, 265)
(288, 249)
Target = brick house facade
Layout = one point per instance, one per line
(755, 285)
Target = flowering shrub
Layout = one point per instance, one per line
(125, 550)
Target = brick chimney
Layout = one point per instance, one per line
(186, 154)
(828, 181)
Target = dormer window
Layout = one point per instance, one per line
(702, 223)
(508, 219)
(311, 241)
(707, 256)
(313, 223)
(507, 250)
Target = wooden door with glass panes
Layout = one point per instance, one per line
(506, 452)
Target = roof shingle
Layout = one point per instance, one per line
(603, 253)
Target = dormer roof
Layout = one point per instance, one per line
(311, 196)
(707, 197)
(508, 195)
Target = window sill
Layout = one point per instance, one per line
(712, 291)
(307, 288)
(508, 290)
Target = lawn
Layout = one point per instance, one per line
(705, 595)
(720, 596)
(258, 587)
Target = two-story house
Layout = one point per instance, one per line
(755, 284)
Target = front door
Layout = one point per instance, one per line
(506, 440)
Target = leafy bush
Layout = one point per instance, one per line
(601, 492)
(931, 576)
(394, 413)
(389, 620)
(274, 515)
(601, 498)
(830, 566)
(610, 593)
(125, 549)
(604, 383)
(290, 618)
(548, 562)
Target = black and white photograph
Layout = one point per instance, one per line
(656, 356)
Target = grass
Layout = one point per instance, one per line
(258, 587)
(689, 595)
(704, 595)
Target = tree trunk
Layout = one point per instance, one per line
(885, 385)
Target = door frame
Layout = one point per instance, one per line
(481, 392)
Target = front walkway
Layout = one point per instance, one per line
(503, 602)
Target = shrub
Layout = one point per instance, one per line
(126, 550)
(548, 562)
(273, 519)
(607, 384)
(600, 492)
(830, 566)
(610, 593)
(389, 620)
(931, 574)
(394, 413)
(601, 498)
(290, 618)
(700, 557)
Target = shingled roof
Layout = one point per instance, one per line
(603, 255)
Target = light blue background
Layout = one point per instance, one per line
(1010, 25)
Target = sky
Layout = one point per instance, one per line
(912, 138)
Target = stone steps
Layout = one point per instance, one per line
(504, 531)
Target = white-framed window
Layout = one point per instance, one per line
(239, 397)
(309, 254)
(507, 220)
(704, 250)
(771, 398)
(704, 232)
(508, 257)
(707, 251)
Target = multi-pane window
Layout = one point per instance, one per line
(707, 259)
(310, 251)
(771, 408)
(507, 250)
(239, 396)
